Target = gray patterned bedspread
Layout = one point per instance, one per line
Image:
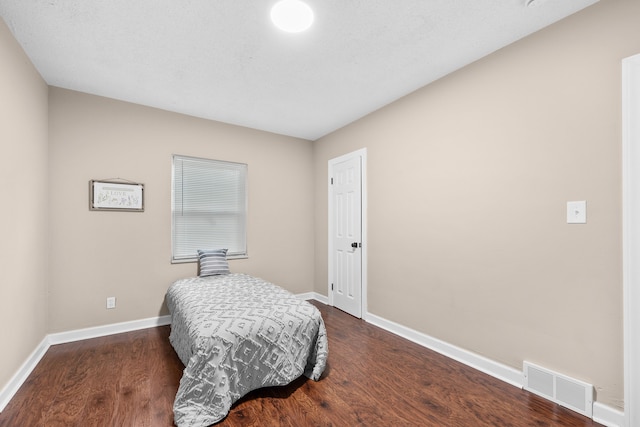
(236, 333)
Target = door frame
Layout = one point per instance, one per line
(362, 153)
(631, 236)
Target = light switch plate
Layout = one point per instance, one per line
(577, 212)
(111, 302)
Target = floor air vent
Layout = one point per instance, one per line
(568, 392)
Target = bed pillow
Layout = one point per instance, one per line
(212, 262)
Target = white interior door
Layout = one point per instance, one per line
(345, 244)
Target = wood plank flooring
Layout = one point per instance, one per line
(373, 378)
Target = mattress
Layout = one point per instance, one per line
(236, 333)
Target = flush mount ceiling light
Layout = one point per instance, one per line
(292, 16)
(534, 3)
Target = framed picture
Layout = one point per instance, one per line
(116, 196)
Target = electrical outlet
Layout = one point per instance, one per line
(111, 302)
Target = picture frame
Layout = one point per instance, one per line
(105, 195)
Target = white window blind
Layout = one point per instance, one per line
(209, 207)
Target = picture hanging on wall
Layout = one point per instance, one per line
(106, 195)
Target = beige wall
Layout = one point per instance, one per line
(23, 217)
(468, 181)
(127, 255)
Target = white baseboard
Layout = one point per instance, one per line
(314, 295)
(14, 384)
(101, 331)
(502, 372)
(607, 415)
(307, 296)
(602, 414)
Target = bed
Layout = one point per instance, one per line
(236, 333)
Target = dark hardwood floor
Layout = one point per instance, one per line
(373, 378)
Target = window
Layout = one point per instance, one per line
(209, 207)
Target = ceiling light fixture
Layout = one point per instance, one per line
(292, 16)
(534, 3)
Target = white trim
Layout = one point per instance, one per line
(14, 384)
(631, 235)
(362, 153)
(102, 331)
(608, 416)
(315, 296)
(502, 372)
(602, 414)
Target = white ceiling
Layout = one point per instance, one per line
(224, 60)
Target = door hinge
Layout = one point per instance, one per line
(331, 181)
(332, 286)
